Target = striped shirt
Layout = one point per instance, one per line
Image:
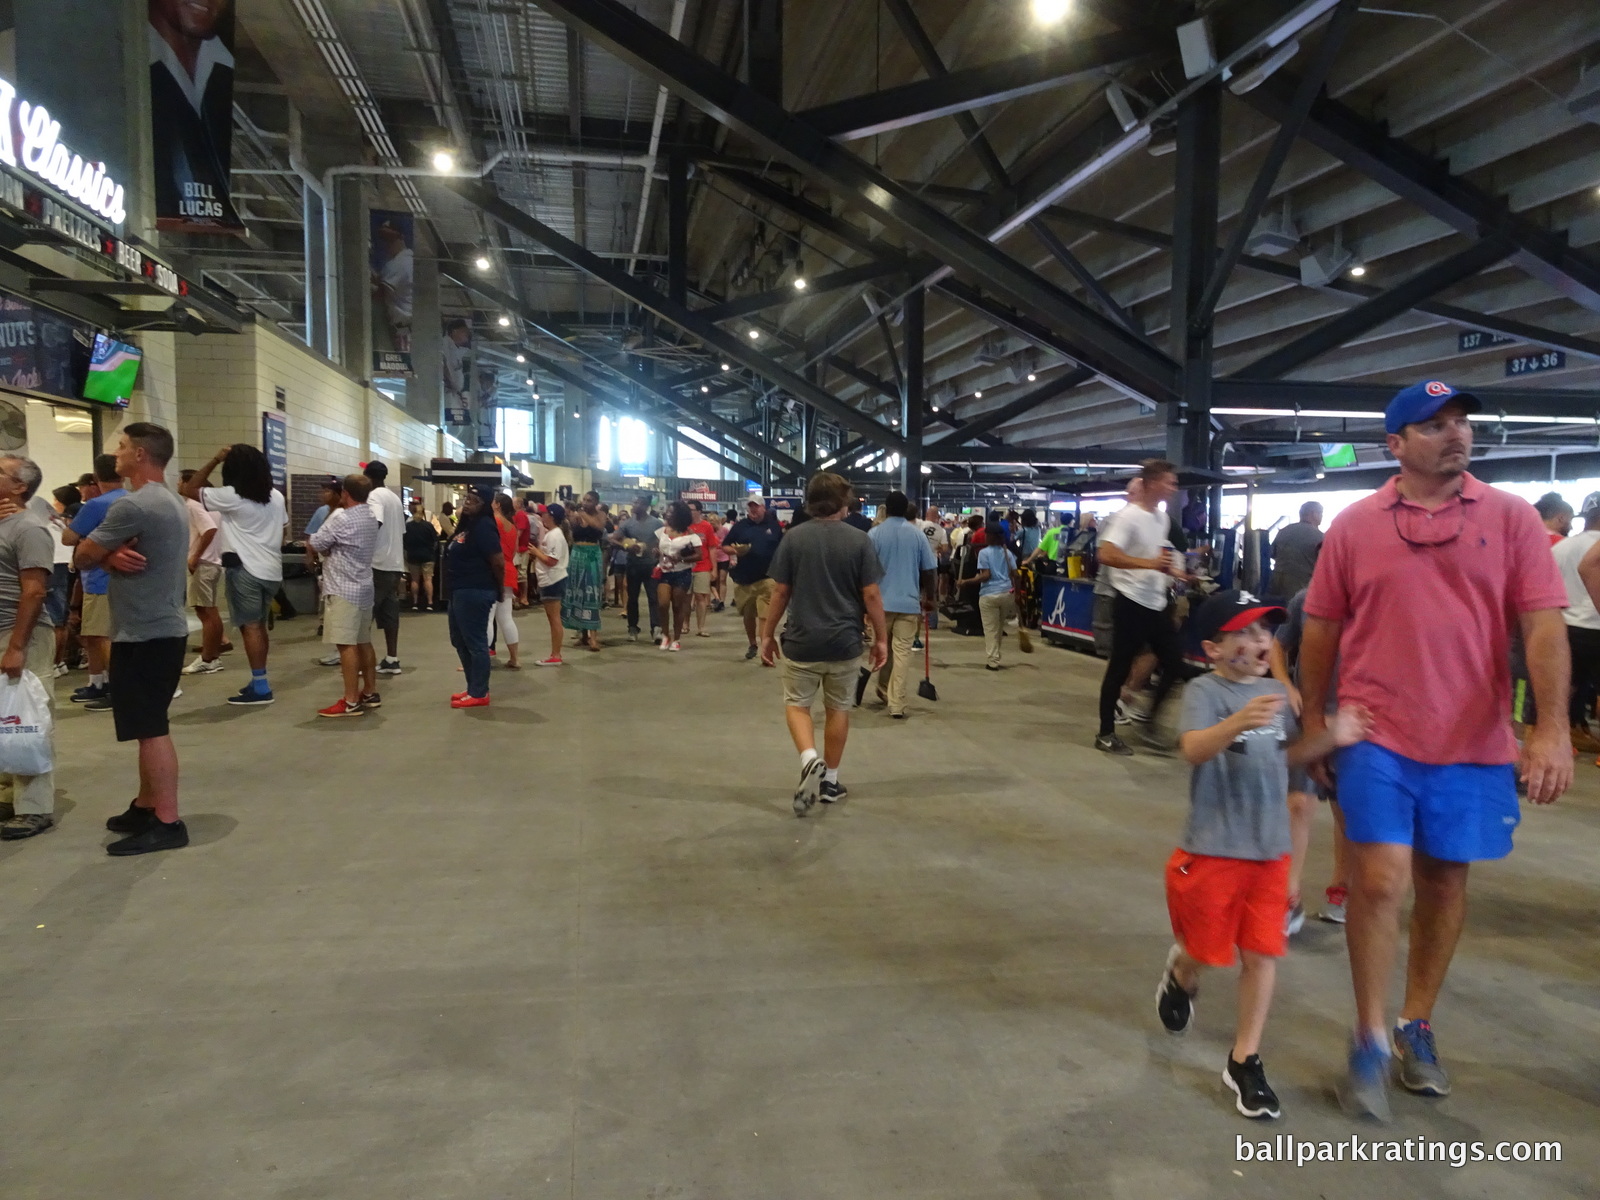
(346, 542)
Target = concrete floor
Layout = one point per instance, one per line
(576, 945)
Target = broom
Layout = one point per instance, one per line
(925, 689)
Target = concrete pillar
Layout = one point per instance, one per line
(351, 277)
(911, 400)
(425, 388)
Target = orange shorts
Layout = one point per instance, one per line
(1219, 903)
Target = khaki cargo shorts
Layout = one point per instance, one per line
(835, 680)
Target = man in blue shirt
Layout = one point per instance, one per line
(909, 565)
(752, 541)
(95, 631)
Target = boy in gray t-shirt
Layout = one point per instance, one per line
(1228, 882)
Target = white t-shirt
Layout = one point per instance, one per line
(936, 535)
(199, 521)
(1139, 534)
(553, 543)
(252, 530)
(674, 556)
(390, 552)
(1580, 611)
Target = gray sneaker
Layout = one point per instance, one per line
(805, 796)
(26, 825)
(1418, 1060)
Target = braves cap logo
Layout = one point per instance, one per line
(1435, 388)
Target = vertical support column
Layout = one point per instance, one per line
(316, 253)
(348, 252)
(678, 229)
(1193, 252)
(766, 441)
(425, 388)
(911, 398)
(763, 47)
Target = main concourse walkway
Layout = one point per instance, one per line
(577, 945)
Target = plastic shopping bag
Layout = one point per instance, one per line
(25, 744)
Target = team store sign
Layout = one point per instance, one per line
(31, 138)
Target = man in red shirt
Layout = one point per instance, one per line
(524, 523)
(1412, 592)
(705, 569)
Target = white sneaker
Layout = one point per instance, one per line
(674, 646)
(201, 667)
(666, 643)
(177, 693)
(61, 669)
(328, 660)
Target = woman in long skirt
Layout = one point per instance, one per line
(581, 603)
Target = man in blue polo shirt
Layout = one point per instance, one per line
(907, 586)
(752, 541)
(95, 631)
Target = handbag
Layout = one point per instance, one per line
(25, 726)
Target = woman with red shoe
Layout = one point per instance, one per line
(474, 569)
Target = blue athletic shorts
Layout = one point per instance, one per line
(1457, 812)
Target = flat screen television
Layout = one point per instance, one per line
(113, 370)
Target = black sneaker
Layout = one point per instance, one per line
(1253, 1095)
(751, 653)
(133, 820)
(158, 835)
(248, 696)
(810, 787)
(388, 666)
(1112, 744)
(371, 700)
(88, 692)
(1174, 1005)
(830, 792)
(98, 704)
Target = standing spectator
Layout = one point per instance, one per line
(1136, 547)
(504, 618)
(1434, 788)
(27, 559)
(719, 561)
(94, 630)
(252, 521)
(205, 583)
(58, 601)
(1028, 535)
(331, 492)
(909, 567)
(550, 554)
(705, 569)
(144, 540)
(347, 541)
(679, 549)
(637, 535)
(751, 542)
(586, 579)
(474, 573)
(996, 605)
(1294, 552)
(527, 524)
(856, 517)
(1583, 626)
(447, 520)
(420, 544)
(388, 565)
(826, 579)
(1556, 515)
(939, 538)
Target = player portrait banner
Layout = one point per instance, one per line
(191, 114)
(392, 257)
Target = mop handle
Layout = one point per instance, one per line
(927, 661)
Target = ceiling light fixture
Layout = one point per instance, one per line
(727, 367)
(754, 334)
(505, 322)
(530, 383)
(1048, 12)
(521, 358)
(481, 262)
(1032, 378)
(977, 395)
(799, 284)
(443, 160)
(704, 388)
(1358, 271)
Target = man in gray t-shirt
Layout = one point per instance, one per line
(1294, 552)
(27, 559)
(637, 535)
(148, 604)
(825, 577)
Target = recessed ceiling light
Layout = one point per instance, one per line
(895, 421)
(754, 334)
(443, 160)
(1358, 270)
(1048, 12)
(505, 322)
(799, 285)
(1032, 378)
(704, 388)
(935, 408)
(481, 262)
(520, 358)
(977, 395)
(727, 367)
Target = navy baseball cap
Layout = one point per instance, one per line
(1421, 400)
(1231, 611)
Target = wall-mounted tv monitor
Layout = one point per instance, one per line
(113, 370)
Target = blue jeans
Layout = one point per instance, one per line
(469, 634)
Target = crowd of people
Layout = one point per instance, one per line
(1377, 674)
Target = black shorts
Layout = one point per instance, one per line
(143, 677)
(386, 599)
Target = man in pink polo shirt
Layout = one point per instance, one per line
(1415, 591)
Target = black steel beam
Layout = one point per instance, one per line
(1332, 39)
(1374, 312)
(1044, 456)
(763, 48)
(1098, 341)
(1427, 182)
(998, 314)
(677, 229)
(912, 406)
(733, 347)
(1097, 290)
(834, 280)
(975, 87)
(1011, 410)
(1489, 323)
(1197, 168)
(1286, 395)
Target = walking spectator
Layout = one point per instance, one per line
(58, 600)
(388, 565)
(679, 549)
(1028, 535)
(252, 518)
(447, 521)
(1294, 552)
(585, 594)
(94, 629)
(704, 569)
(637, 535)
(1434, 787)
(504, 617)
(719, 562)
(474, 572)
(751, 542)
(856, 517)
(527, 524)
(1556, 515)
(420, 544)
(996, 605)
(909, 565)
(144, 541)
(550, 556)
(826, 580)
(1583, 626)
(27, 560)
(1136, 547)
(205, 584)
(347, 542)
